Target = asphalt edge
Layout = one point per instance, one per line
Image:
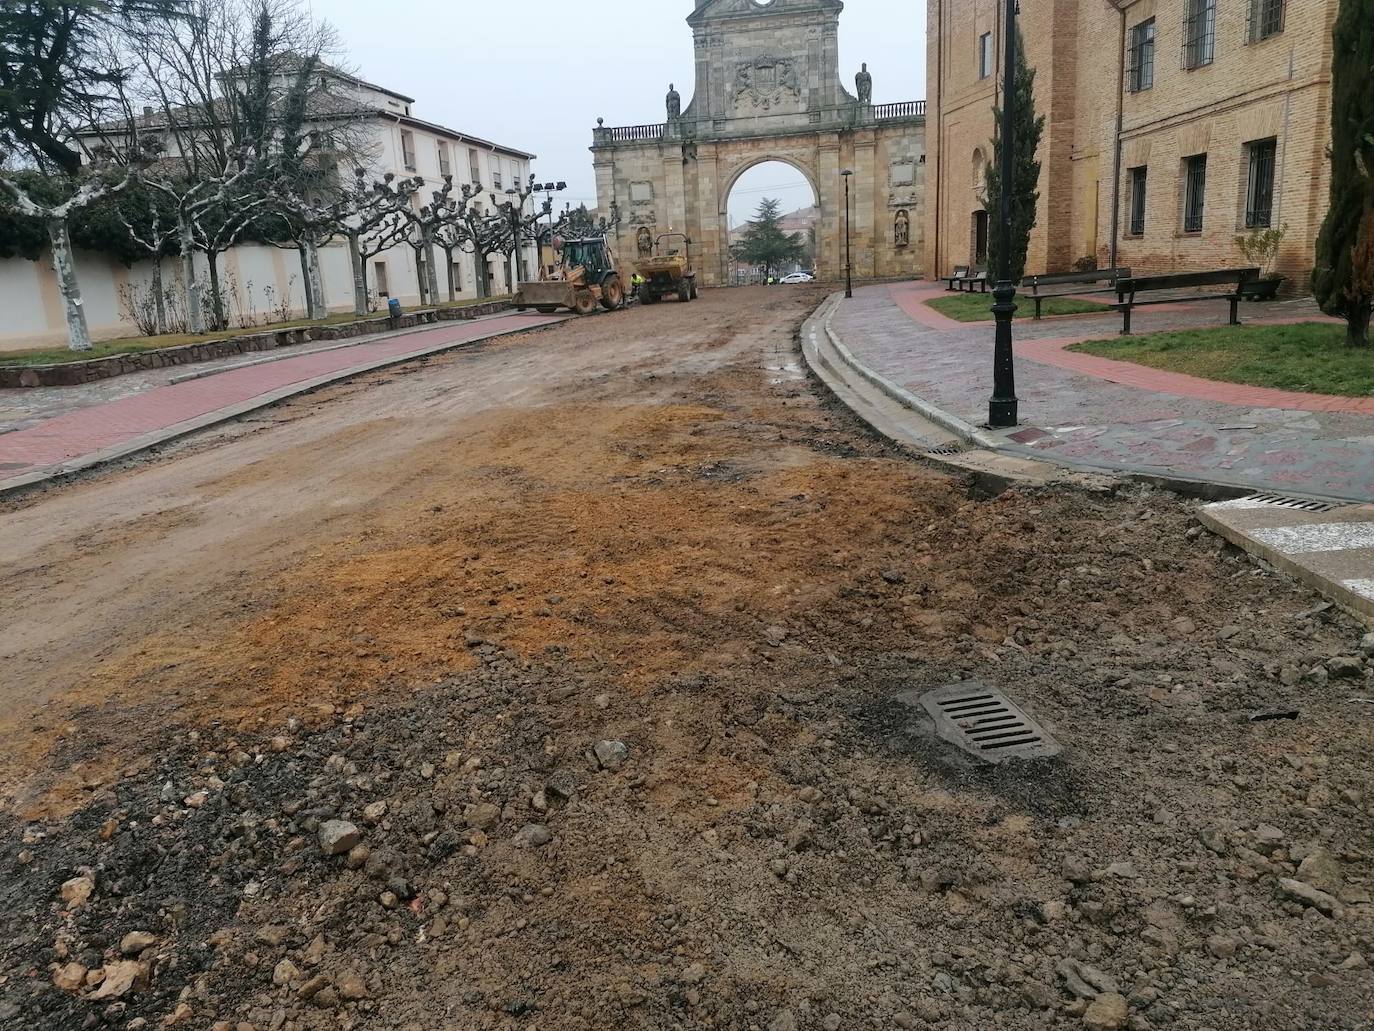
(37, 479)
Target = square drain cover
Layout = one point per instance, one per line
(986, 723)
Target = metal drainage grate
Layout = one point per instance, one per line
(986, 723)
(945, 451)
(1295, 504)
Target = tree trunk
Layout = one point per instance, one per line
(158, 299)
(78, 332)
(479, 262)
(216, 297)
(355, 255)
(431, 273)
(1357, 326)
(448, 267)
(306, 287)
(421, 277)
(195, 314)
(312, 252)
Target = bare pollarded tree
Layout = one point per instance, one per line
(252, 128)
(372, 219)
(57, 219)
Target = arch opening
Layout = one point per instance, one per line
(773, 219)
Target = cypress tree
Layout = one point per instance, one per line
(1343, 279)
(1026, 194)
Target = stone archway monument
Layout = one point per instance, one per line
(768, 88)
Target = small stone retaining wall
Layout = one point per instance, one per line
(70, 374)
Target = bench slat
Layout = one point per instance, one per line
(1183, 280)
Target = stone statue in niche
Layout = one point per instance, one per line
(901, 229)
(865, 83)
(674, 103)
(644, 240)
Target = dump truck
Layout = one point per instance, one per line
(670, 272)
(586, 275)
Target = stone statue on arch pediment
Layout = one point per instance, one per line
(674, 103)
(864, 82)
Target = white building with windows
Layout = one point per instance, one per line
(261, 283)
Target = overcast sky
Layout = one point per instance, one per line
(536, 74)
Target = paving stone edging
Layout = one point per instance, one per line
(69, 374)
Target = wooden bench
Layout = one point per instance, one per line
(977, 277)
(1036, 284)
(960, 272)
(1128, 287)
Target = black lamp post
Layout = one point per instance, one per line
(1003, 404)
(848, 240)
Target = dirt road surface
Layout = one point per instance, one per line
(554, 685)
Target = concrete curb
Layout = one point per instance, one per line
(24, 483)
(355, 342)
(955, 425)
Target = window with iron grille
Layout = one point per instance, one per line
(1199, 33)
(1266, 19)
(1194, 192)
(1141, 75)
(1137, 226)
(985, 56)
(1259, 192)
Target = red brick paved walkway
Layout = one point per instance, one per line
(1098, 413)
(911, 298)
(99, 427)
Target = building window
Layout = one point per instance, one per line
(383, 287)
(1137, 226)
(1266, 19)
(1194, 192)
(985, 55)
(445, 166)
(1199, 33)
(474, 168)
(1142, 70)
(408, 150)
(496, 182)
(1259, 192)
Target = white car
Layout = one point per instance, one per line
(799, 277)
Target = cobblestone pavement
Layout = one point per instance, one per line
(1108, 414)
(69, 422)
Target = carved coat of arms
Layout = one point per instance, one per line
(765, 81)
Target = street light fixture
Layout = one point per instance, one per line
(1002, 407)
(848, 241)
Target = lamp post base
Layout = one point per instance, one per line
(1002, 408)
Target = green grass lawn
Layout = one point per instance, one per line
(977, 307)
(129, 345)
(1308, 356)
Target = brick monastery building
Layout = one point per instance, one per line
(1171, 127)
